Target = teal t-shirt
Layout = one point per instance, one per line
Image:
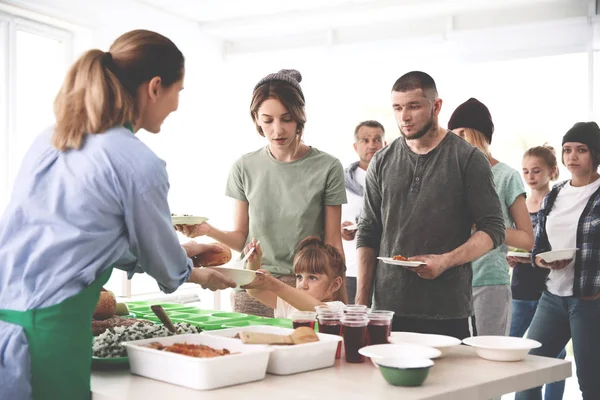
(492, 268)
(286, 200)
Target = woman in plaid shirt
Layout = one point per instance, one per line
(570, 307)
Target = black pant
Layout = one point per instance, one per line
(458, 328)
(351, 288)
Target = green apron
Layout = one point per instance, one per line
(60, 343)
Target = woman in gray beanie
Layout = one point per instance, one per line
(570, 219)
(283, 192)
(491, 280)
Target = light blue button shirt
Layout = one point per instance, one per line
(72, 215)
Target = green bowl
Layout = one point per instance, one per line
(405, 371)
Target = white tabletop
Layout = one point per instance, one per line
(459, 375)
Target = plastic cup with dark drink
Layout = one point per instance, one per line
(330, 323)
(354, 332)
(304, 318)
(380, 326)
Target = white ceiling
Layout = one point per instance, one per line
(242, 20)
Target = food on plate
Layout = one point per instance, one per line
(216, 254)
(192, 350)
(107, 305)
(519, 250)
(108, 344)
(399, 258)
(100, 326)
(181, 215)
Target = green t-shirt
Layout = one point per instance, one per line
(492, 268)
(286, 200)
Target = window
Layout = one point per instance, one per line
(37, 57)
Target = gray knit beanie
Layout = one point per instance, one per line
(291, 76)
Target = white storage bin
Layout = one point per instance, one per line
(291, 359)
(250, 364)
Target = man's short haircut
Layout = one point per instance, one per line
(369, 123)
(416, 80)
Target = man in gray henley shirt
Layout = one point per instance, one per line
(423, 194)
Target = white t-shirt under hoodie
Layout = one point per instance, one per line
(561, 228)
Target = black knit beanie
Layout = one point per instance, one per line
(587, 133)
(291, 76)
(475, 115)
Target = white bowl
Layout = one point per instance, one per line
(239, 276)
(401, 350)
(441, 342)
(286, 360)
(187, 220)
(501, 348)
(518, 254)
(558, 255)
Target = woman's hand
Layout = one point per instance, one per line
(513, 261)
(210, 279)
(255, 259)
(555, 265)
(193, 231)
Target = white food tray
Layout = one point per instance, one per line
(199, 373)
(291, 359)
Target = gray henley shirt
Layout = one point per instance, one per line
(416, 204)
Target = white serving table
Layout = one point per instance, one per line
(461, 375)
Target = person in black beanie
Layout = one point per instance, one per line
(569, 220)
(491, 280)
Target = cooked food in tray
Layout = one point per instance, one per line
(192, 350)
(108, 344)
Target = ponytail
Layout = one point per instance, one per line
(99, 91)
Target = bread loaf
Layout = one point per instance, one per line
(216, 254)
(106, 307)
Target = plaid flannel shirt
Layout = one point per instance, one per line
(587, 259)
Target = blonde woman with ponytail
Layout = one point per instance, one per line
(89, 196)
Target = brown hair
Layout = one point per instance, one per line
(288, 95)
(100, 89)
(416, 80)
(315, 257)
(547, 154)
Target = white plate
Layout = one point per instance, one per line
(400, 350)
(239, 276)
(501, 348)
(187, 220)
(557, 255)
(352, 227)
(247, 365)
(518, 254)
(391, 261)
(441, 342)
(286, 360)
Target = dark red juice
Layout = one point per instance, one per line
(379, 332)
(298, 324)
(355, 337)
(333, 328)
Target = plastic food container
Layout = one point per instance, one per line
(291, 359)
(250, 364)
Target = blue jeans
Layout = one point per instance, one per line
(522, 314)
(558, 319)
